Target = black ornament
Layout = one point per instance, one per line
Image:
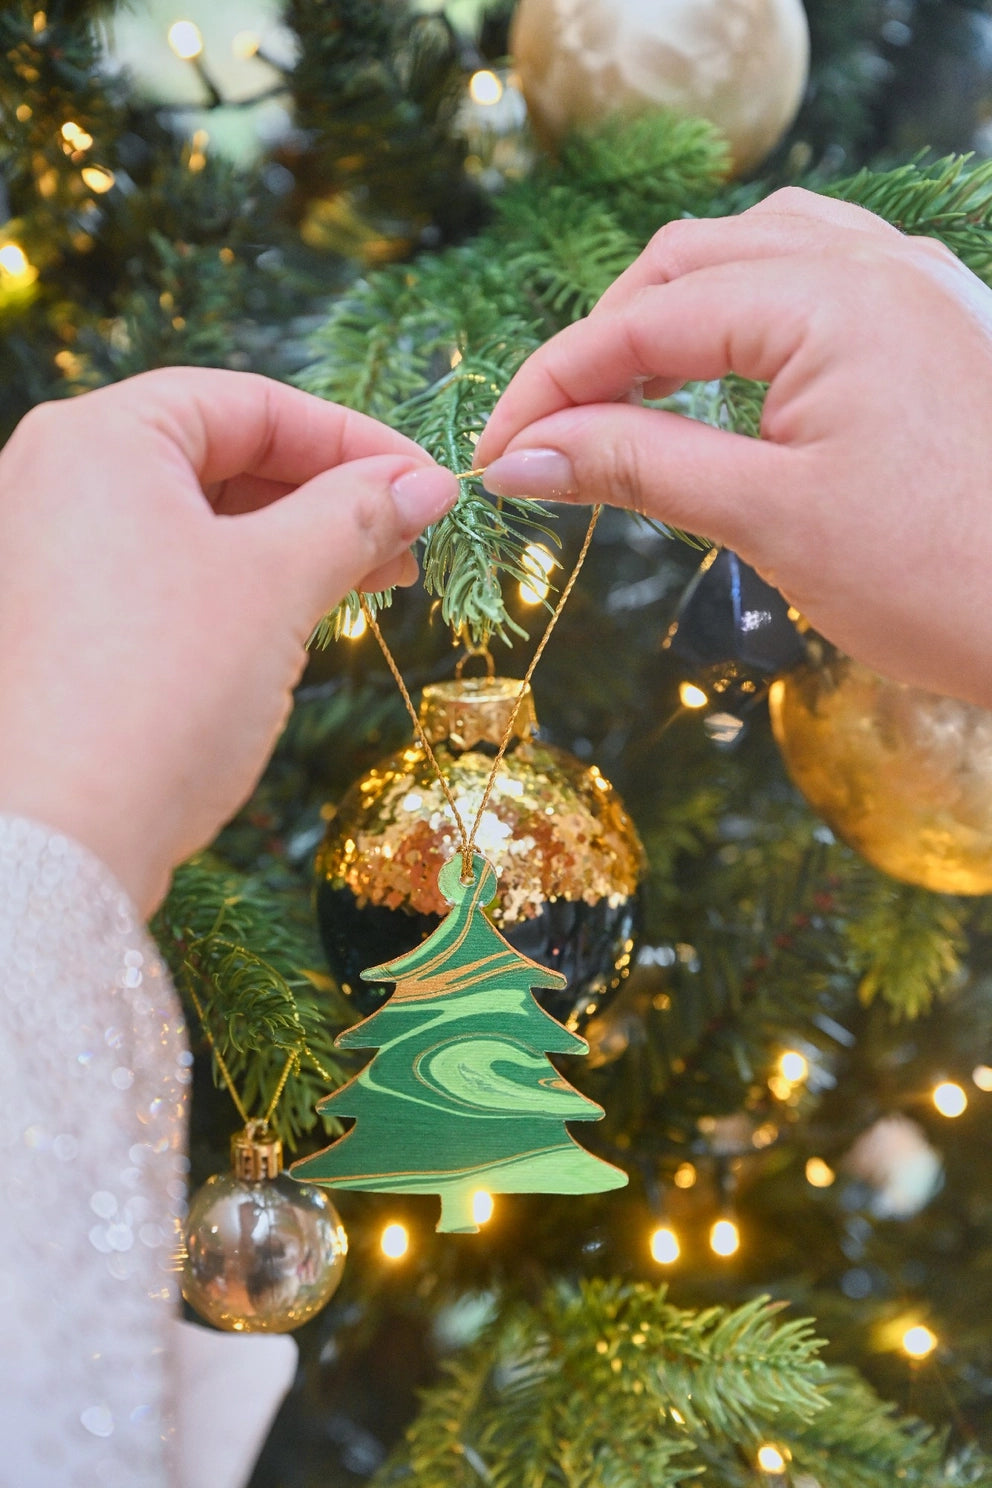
(733, 632)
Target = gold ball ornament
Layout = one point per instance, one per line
(901, 775)
(742, 64)
(568, 859)
(264, 1252)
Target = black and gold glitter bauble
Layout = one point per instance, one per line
(568, 858)
(902, 775)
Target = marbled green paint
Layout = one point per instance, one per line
(460, 1095)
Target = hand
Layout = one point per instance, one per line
(166, 546)
(868, 498)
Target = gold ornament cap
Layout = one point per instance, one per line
(255, 1153)
(476, 711)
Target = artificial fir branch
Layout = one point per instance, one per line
(240, 952)
(610, 1383)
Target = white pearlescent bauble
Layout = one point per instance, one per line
(742, 64)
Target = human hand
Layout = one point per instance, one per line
(166, 547)
(867, 499)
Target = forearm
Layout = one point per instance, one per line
(93, 1076)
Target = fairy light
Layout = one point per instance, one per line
(482, 1206)
(919, 1342)
(685, 1175)
(74, 138)
(982, 1076)
(691, 696)
(485, 87)
(771, 1458)
(395, 1241)
(97, 178)
(198, 150)
(818, 1173)
(14, 264)
(950, 1099)
(536, 562)
(725, 1238)
(354, 626)
(664, 1246)
(793, 1067)
(185, 40)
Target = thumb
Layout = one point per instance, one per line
(717, 484)
(330, 533)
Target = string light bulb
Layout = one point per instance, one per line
(725, 1238)
(185, 40)
(482, 1206)
(771, 1459)
(950, 1099)
(14, 264)
(691, 696)
(485, 87)
(793, 1067)
(354, 626)
(818, 1173)
(919, 1342)
(665, 1246)
(537, 563)
(982, 1076)
(97, 178)
(394, 1241)
(685, 1175)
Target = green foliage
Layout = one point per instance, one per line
(906, 945)
(609, 1383)
(236, 949)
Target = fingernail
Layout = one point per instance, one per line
(545, 474)
(424, 494)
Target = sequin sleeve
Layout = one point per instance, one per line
(94, 1072)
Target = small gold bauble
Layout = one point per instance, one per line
(902, 775)
(568, 858)
(264, 1252)
(742, 64)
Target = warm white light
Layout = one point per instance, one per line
(691, 696)
(395, 1241)
(725, 1238)
(97, 178)
(819, 1173)
(185, 40)
(482, 1206)
(664, 1246)
(685, 1175)
(485, 87)
(76, 138)
(14, 261)
(354, 626)
(950, 1099)
(245, 44)
(538, 563)
(770, 1459)
(982, 1076)
(793, 1067)
(918, 1342)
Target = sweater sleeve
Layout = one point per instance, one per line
(94, 1075)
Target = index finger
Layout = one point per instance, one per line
(235, 423)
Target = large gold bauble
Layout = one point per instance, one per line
(264, 1252)
(742, 64)
(902, 775)
(568, 859)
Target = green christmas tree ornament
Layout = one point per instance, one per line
(460, 1095)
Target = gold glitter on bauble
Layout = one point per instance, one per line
(902, 775)
(264, 1252)
(741, 64)
(568, 859)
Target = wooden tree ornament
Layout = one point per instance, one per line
(460, 1095)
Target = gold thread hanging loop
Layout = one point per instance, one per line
(471, 652)
(250, 1122)
(468, 837)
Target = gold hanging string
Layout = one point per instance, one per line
(291, 1061)
(468, 837)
